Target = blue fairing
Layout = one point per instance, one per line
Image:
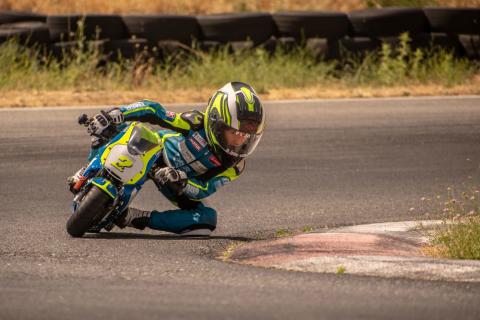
(105, 185)
(125, 193)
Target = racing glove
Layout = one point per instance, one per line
(103, 120)
(116, 115)
(176, 180)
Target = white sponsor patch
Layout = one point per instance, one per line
(190, 158)
(195, 143)
(198, 167)
(187, 155)
(191, 190)
(199, 139)
(135, 105)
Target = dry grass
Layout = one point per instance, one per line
(460, 240)
(458, 237)
(28, 80)
(202, 7)
(72, 98)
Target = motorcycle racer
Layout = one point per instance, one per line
(201, 153)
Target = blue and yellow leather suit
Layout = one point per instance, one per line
(186, 149)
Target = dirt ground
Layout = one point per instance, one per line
(78, 98)
(205, 7)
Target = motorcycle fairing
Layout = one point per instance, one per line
(120, 159)
(105, 185)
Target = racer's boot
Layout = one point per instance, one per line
(72, 181)
(134, 218)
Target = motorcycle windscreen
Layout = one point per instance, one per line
(142, 140)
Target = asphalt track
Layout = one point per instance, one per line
(321, 163)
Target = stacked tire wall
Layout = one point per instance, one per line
(330, 35)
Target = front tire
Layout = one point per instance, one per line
(90, 211)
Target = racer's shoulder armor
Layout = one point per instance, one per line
(194, 118)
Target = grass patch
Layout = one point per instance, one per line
(403, 66)
(460, 240)
(307, 229)
(459, 235)
(279, 75)
(341, 269)
(283, 233)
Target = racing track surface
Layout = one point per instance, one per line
(320, 163)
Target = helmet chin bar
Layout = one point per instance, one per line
(234, 154)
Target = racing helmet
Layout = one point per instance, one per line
(234, 109)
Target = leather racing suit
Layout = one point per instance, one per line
(186, 149)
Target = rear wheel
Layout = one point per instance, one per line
(91, 210)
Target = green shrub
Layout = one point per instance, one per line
(459, 235)
(84, 68)
(402, 66)
(460, 240)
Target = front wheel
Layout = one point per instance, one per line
(90, 211)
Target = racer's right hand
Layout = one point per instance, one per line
(99, 123)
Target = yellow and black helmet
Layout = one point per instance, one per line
(235, 108)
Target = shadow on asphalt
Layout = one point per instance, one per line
(126, 235)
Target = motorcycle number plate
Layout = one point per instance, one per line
(123, 164)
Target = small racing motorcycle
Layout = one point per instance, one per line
(113, 178)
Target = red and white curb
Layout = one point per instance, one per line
(382, 249)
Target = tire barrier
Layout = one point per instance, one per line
(256, 27)
(67, 48)
(128, 48)
(154, 28)
(303, 25)
(327, 35)
(388, 22)
(26, 33)
(95, 26)
(471, 45)
(14, 16)
(454, 20)
(232, 46)
(358, 46)
(286, 43)
(323, 49)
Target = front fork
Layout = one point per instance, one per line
(121, 202)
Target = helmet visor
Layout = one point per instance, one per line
(238, 143)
